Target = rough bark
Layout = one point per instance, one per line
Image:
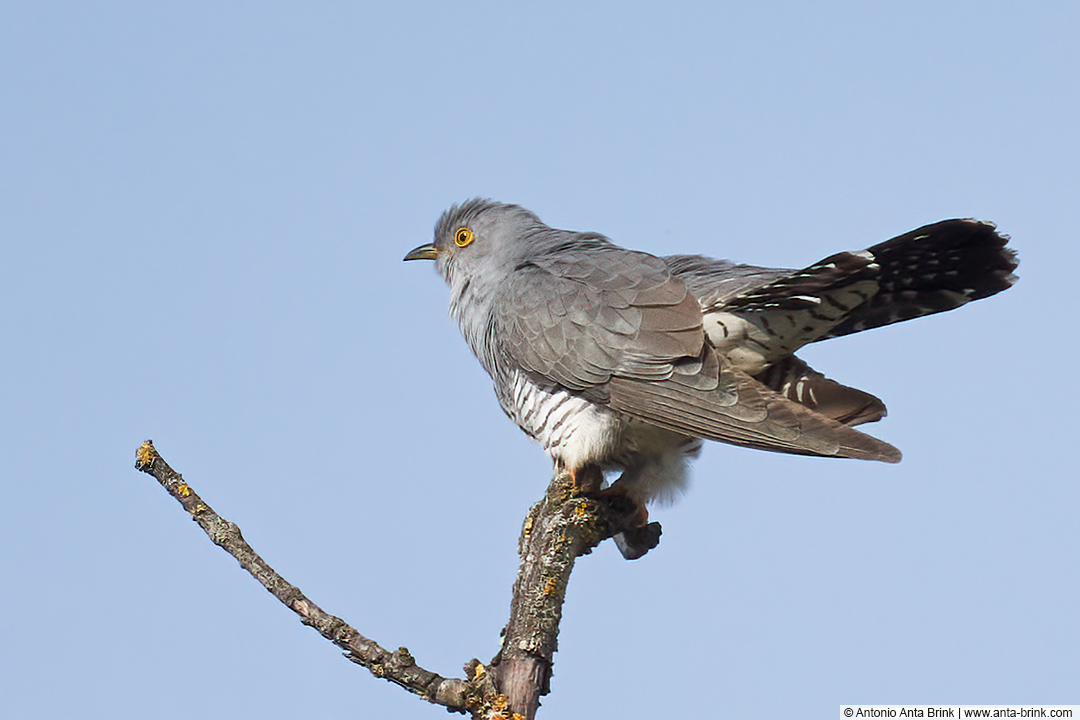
(558, 530)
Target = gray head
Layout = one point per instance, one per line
(484, 240)
(480, 238)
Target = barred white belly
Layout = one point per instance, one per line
(573, 430)
(576, 432)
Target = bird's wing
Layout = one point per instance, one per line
(580, 318)
(779, 425)
(619, 328)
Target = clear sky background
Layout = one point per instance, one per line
(203, 211)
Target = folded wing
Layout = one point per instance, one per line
(620, 329)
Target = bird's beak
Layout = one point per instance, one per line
(424, 252)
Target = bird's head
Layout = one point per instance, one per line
(480, 240)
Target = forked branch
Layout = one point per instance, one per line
(558, 529)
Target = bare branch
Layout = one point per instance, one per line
(398, 667)
(560, 528)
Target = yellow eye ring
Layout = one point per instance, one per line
(463, 236)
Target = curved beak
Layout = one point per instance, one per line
(424, 252)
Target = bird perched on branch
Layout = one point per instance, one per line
(619, 360)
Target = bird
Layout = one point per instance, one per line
(619, 361)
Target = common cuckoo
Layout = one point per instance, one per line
(617, 360)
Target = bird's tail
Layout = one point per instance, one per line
(932, 269)
(929, 270)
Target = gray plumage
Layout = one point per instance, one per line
(622, 360)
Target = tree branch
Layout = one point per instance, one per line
(557, 530)
(398, 667)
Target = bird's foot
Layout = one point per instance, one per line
(630, 511)
(587, 480)
(637, 536)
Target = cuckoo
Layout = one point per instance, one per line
(616, 360)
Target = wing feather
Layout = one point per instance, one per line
(786, 426)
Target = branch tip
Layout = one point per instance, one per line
(144, 456)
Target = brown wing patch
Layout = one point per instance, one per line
(794, 379)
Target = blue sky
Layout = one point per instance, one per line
(203, 210)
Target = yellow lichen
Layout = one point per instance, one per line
(551, 586)
(145, 454)
(528, 525)
(479, 670)
(199, 509)
(184, 489)
(378, 670)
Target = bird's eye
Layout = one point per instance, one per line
(463, 236)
